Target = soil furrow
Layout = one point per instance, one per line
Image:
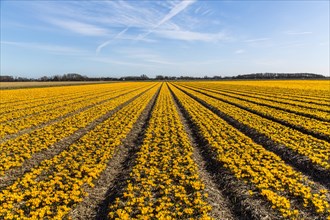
(113, 179)
(44, 102)
(83, 99)
(220, 204)
(271, 106)
(244, 206)
(42, 125)
(258, 96)
(298, 128)
(299, 162)
(13, 174)
(290, 96)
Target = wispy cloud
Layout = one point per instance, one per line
(126, 14)
(290, 44)
(173, 12)
(111, 60)
(101, 21)
(101, 46)
(325, 43)
(191, 36)
(160, 61)
(197, 10)
(63, 50)
(207, 12)
(257, 40)
(240, 51)
(79, 27)
(140, 54)
(298, 33)
(143, 55)
(269, 62)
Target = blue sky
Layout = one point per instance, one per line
(198, 38)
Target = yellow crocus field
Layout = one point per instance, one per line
(166, 150)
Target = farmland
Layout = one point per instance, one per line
(12, 85)
(166, 150)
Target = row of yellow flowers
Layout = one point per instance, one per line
(315, 149)
(51, 189)
(311, 124)
(311, 109)
(301, 102)
(13, 127)
(301, 96)
(27, 95)
(15, 151)
(279, 95)
(277, 182)
(23, 110)
(309, 89)
(164, 182)
(308, 112)
(36, 97)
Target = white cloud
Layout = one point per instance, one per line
(197, 10)
(142, 18)
(165, 62)
(325, 43)
(137, 53)
(240, 51)
(291, 45)
(191, 36)
(142, 55)
(298, 33)
(111, 60)
(173, 12)
(101, 46)
(46, 47)
(79, 27)
(207, 12)
(256, 40)
(270, 62)
(124, 13)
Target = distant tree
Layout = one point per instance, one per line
(73, 77)
(144, 77)
(6, 78)
(44, 78)
(22, 79)
(159, 77)
(279, 76)
(56, 78)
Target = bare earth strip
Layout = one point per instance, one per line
(220, 204)
(269, 117)
(272, 105)
(113, 178)
(243, 205)
(55, 149)
(42, 125)
(299, 162)
(247, 95)
(277, 100)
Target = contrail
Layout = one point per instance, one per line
(173, 12)
(101, 46)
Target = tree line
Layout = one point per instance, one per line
(79, 77)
